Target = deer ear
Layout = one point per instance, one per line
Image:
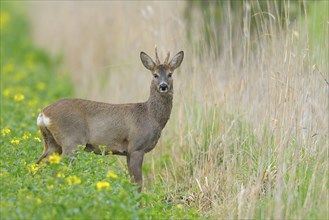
(177, 60)
(147, 61)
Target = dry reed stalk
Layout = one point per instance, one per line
(249, 128)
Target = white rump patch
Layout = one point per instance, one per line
(43, 120)
(40, 120)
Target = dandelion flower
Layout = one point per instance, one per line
(19, 97)
(26, 135)
(54, 158)
(15, 141)
(73, 180)
(37, 139)
(60, 175)
(103, 185)
(112, 175)
(38, 200)
(179, 206)
(5, 131)
(33, 168)
(50, 186)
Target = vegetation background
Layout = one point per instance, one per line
(248, 134)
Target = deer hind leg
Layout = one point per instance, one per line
(50, 144)
(70, 135)
(70, 145)
(69, 149)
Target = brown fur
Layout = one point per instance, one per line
(125, 129)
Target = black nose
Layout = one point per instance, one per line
(163, 87)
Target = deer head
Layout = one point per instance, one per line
(162, 73)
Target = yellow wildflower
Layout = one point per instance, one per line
(37, 139)
(179, 206)
(50, 186)
(38, 200)
(19, 97)
(33, 168)
(4, 19)
(73, 180)
(54, 158)
(15, 141)
(60, 175)
(5, 131)
(103, 185)
(112, 175)
(26, 135)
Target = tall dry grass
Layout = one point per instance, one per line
(248, 135)
(101, 42)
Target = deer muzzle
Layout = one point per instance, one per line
(163, 87)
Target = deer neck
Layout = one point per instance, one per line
(159, 106)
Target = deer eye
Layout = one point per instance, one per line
(156, 76)
(169, 75)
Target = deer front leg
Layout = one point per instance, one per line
(135, 162)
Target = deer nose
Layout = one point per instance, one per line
(163, 87)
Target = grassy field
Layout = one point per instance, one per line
(248, 134)
(96, 187)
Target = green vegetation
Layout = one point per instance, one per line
(248, 134)
(92, 187)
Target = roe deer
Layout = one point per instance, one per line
(125, 129)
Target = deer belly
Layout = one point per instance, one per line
(102, 149)
(118, 145)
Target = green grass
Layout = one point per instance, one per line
(244, 140)
(30, 80)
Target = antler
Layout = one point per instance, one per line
(157, 61)
(167, 58)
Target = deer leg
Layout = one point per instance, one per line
(70, 144)
(70, 150)
(135, 162)
(52, 148)
(50, 145)
(44, 154)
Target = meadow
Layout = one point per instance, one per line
(248, 134)
(95, 188)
